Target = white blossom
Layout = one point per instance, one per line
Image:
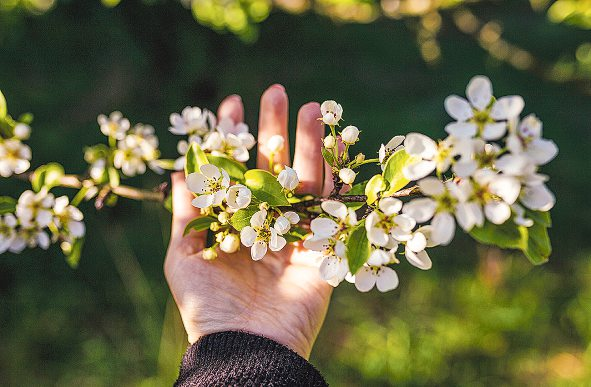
(68, 218)
(347, 175)
(284, 222)
(259, 235)
(210, 185)
(350, 135)
(386, 226)
(238, 196)
(192, 121)
(138, 148)
(114, 126)
(288, 178)
(30, 236)
(14, 157)
(478, 115)
(231, 139)
(528, 139)
(331, 112)
(35, 208)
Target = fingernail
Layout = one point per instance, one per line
(236, 97)
(277, 86)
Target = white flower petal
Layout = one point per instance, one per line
(329, 267)
(417, 243)
(417, 144)
(458, 108)
(497, 212)
(469, 214)
(258, 250)
(293, 217)
(507, 108)
(210, 171)
(365, 279)
(203, 201)
(431, 186)
(390, 206)
(378, 257)
(444, 227)
(277, 242)
(196, 182)
(538, 197)
(420, 259)
(479, 92)
(494, 131)
(419, 170)
(506, 187)
(541, 151)
(258, 219)
(323, 227)
(462, 129)
(387, 279)
(421, 209)
(316, 244)
(248, 236)
(335, 208)
(377, 236)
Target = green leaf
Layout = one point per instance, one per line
(47, 176)
(533, 241)
(74, 253)
(194, 159)
(234, 168)
(166, 164)
(241, 218)
(199, 224)
(328, 156)
(358, 247)
(393, 171)
(296, 234)
(3, 108)
(265, 187)
(7, 205)
(506, 235)
(375, 185)
(536, 243)
(358, 189)
(539, 217)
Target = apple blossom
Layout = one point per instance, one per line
(331, 112)
(192, 121)
(383, 278)
(210, 185)
(238, 196)
(479, 114)
(35, 208)
(259, 234)
(288, 178)
(68, 218)
(115, 126)
(387, 150)
(14, 157)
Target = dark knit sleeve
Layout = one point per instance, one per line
(244, 359)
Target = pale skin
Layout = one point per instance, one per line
(281, 297)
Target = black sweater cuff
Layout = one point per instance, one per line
(244, 359)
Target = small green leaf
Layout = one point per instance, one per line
(296, 234)
(166, 164)
(234, 168)
(265, 187)
(358, 247)
(536, 243)
(241, 218)
(506, 235)
(393, 171)
(540, 217)
(47, 176)
(375, 185)
(328, 156)
(358, 189)
(3, 108)
(7, 205)
(75, 251)
(194, 159)
(199, 224)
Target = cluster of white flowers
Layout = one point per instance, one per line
(493, 180)
(37, 214)
(132, 148)
(223, 137)
(261, 234)
(15, 156)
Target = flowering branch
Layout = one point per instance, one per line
(483, 177)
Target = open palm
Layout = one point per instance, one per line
(281, 297)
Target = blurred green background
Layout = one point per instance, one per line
(479, 317)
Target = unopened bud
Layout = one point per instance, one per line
(209, 254)
(329, 142)
(219, 237)
(350, 135)
(264, 206)
(224, 217)
(277, 168)
(230, 244)
(214, 226)
(275, 143)
(347, 175)
(360, 158)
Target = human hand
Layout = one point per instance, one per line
(281, 297)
